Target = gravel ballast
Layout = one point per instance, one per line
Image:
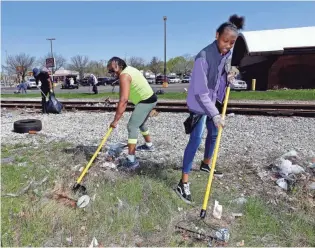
(245, 138)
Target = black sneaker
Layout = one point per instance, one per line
(206, 168)
(184, 192)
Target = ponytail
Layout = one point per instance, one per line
(235, 23)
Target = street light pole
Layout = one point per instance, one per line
(51, 52)
(164, 18)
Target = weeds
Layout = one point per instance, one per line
(139, 209)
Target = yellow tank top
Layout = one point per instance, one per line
(139, 89)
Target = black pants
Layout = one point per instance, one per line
(219, 106)
(44, 94)
(95, 90)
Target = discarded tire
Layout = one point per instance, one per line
(24, 126)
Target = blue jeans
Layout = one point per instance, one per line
(195, 140)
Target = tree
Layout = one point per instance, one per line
(177, 65)
(174, 64)
(155, 65)
(60, 61)
(188, 63)
(136, 62)
(79, 63)
(97, 68)
(20, 64)
(181, 64)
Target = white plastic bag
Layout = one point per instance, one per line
(217, 210)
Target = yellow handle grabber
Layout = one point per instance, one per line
(77, 186)
(214, 158)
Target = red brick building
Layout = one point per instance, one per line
(280, 58)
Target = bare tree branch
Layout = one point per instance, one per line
(155, 65)
(189, 63)
(136, 62)
(79, 63)
(98, 68)
(22, 60)
(60, 61)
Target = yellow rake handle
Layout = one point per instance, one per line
(214, 159)
(94, 155)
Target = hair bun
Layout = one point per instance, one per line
(238, 21)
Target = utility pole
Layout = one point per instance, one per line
(5, 79)
(165, 18)
(52, 55)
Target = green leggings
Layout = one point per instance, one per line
(137, 120)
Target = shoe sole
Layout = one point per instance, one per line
(216, 175)
(183, 199)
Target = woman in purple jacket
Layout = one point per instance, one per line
(206, 94)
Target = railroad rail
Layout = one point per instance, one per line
(242, 108)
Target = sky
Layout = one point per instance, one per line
(101, 30)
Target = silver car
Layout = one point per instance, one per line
(238, 84)
(151, 80)
(31, 83)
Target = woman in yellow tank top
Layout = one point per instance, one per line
(133, 87)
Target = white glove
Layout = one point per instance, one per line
(38, 87)
(230, 78)
(218, 121)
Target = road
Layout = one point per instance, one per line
(83, 89)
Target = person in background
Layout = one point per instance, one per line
(94, 83)
(205, 98)
(71, 81)
(21, 87)
(134, 86)
(46, 85)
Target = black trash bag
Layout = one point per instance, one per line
(159, 92)
(191, 122)
(53, 106)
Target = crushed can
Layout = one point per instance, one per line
(223, 234)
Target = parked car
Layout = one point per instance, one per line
(102, 81)
(160, 79)
(186, 80)
(85, 81)
(31, 83)
(151, 80)
(174, 80)
(238, 85)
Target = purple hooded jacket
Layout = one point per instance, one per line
(208, 81)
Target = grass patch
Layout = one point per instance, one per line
(126, 209)
(124, 206)
(265, 225)
(303, 95)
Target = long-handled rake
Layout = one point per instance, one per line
(221, 235)
(77, 186)
(214, 159)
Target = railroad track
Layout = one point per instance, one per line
(267, 109)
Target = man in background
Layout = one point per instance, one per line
(94, 83)
(46, 85)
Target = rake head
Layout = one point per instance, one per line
(79, 188)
